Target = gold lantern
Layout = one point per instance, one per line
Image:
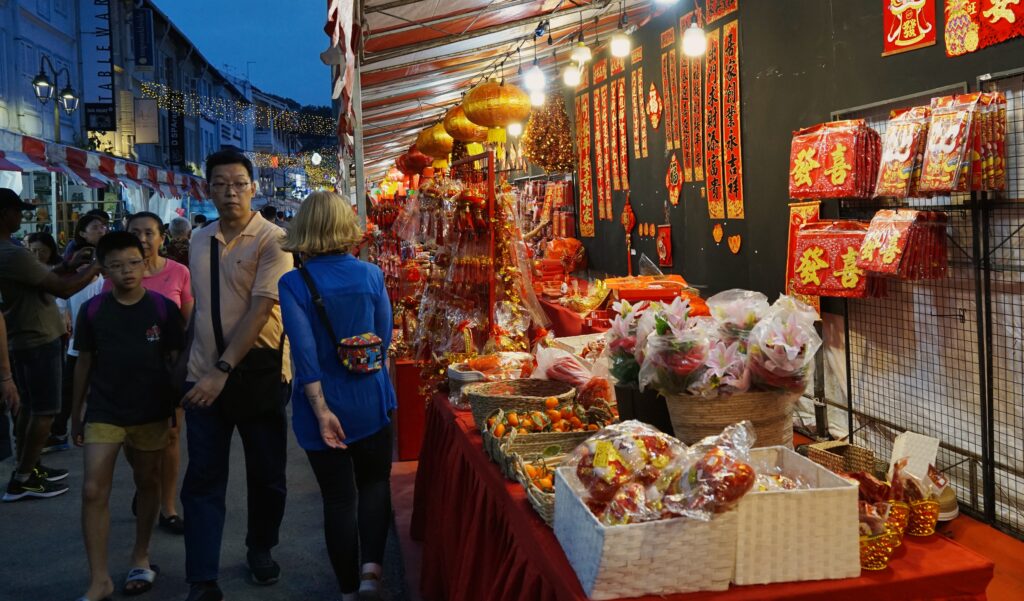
(435, 142)
(495, 105)
(461, 128)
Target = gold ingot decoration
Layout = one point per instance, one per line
(459, 127)
(435, 142)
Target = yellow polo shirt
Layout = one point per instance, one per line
(250, 265)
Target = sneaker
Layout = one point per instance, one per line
(34, 487)
(55, 444)
(205, 591)
(262, 567)
(50, 474)
(369, 587)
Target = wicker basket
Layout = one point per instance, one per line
(543, 502)
(663, 557)
(842, 457)
(513, 395)
(503, 450)
(648, 407)
(821, 522)
(694, 417)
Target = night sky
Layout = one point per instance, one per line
(284, 39)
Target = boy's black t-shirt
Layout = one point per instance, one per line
(130, 382)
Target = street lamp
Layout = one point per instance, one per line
(45, 87)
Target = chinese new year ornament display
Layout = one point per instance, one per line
(547, 141)
(674, 180)
(734, 244)
(909, 24)
(664, 245)
(495, 105)
(628, 221)
(654, 106)
(717, 233)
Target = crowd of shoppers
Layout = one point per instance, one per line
(225, 297)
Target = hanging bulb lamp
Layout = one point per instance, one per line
(515, 129)
(571, 75)
(537, 98)
(695, 43)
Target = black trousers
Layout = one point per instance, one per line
(355, 484)
(60, 422)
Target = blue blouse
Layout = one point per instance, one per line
(356, 302)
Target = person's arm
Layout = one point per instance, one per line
(8, 391)
(67, 286)
(83, 368)
(188, 302)
(209, 387)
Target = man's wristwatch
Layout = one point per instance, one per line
(223, 366)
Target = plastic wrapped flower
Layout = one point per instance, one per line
(726, 371)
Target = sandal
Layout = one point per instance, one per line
(140, 575)
(173, 524)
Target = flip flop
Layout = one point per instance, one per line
(84, 598)
(143, 575)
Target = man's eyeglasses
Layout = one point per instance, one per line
(236, 186)
(128, 266)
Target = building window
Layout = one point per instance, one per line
(43, 8)
(61, 7)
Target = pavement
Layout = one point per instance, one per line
(42, 557)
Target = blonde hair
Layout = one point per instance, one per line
(324, 224)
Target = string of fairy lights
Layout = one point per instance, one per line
(321, 172)
(237, 111)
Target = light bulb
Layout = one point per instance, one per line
(316, 158)
(515, 129)
(537, 98)
(580, 53)
(534, 79)
(620, 44)
(694, 41)
(571, 76)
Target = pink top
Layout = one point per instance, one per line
(173, 281)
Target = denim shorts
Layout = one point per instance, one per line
(37, 373)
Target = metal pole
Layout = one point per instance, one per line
(56, 121)
(357, 129)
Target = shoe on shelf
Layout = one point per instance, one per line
(173, 524)
(33, 488)
(56, 443)
(262, 567)
(50, 474)
(369, 587)
(205, 591)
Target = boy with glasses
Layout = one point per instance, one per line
(127, 340)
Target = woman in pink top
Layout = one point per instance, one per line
(172, 280)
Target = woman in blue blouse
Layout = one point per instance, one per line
(341, 418)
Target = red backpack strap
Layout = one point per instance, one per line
(92, 306)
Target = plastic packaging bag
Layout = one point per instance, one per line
(407, 225)
(621, 345)
(782, 346)
(726, 371)
(625, 470)
(737, 311)
(563, 366)
(647, 267)
(675, 357)
(716, 474)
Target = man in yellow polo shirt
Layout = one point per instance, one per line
(235, 264)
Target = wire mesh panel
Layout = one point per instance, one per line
(1004, 287)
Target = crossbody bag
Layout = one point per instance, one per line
(362, 354)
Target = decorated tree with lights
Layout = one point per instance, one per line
(547, 141)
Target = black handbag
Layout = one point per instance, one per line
(253, 387)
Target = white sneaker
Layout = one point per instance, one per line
(369, 588)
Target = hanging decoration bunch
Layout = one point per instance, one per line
(548, 141)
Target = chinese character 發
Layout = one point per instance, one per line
(805, 164)
(810, 264)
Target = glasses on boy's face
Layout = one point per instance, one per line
(126, 266)
(238, 187)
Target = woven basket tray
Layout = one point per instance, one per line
(840, 456)
(694, 417)
(502, 451)
(663, 557)
(513, 395)
(543, 502)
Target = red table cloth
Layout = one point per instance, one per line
(482, 540)
(566, 322)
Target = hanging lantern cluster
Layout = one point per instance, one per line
(435, 143)
(413, 162)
